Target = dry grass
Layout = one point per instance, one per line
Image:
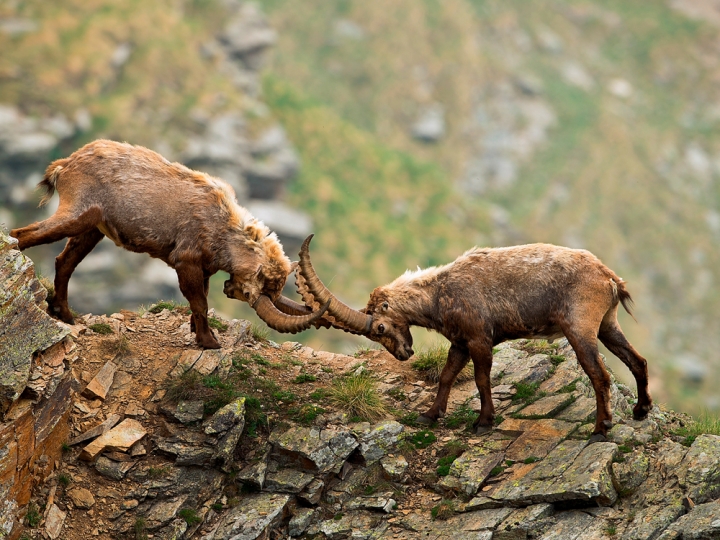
(359, 397)
(431, 361)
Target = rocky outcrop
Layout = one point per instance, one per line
(36, 384)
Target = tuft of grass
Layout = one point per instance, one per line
(625, 449)
(463, 415)
(496, 470)
(422, 438)
(531, 459)
(217, 506)
(409, 419)
(217, 324)
(319, 394)
(284, 396)
(306, 414)
(65, 447)
(159, 472)
(190, 516)
(444, 510)
(101, 328)
(431, 361)
(538, 346)
(611, 530)
(259, 333)
(358, 395)
(33, 516)
(568, 388)
(327, 369)
(706, 423)
(499, 419)
(139, 528)
(525, 391)
(163, 304)
(64, 479)
(304, 377)
(557, 359)
(397, 394)
(259, 359)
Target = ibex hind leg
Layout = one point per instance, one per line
(613, 338)
(75, 251)
(62, 224)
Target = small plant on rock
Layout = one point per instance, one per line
(304, 377)
(358, 396)
(101, 328)
(33, 516)
(190, 516)
(431, 361)
(444, 510)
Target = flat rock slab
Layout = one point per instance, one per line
(252, 518)
(376, 440)
(99, 386)
(572, 472)
(476, 525)
(521, 521)
(699, 471)
(650, 522)
(54, 521)
(581, 410)
(547, 406)
(539, 437)
(565, 374)
(188, 412)
(120, 438)
(209, 361)
(113, 469)
(226, 418)
(575, 526)
(98, 430)
(516, 368)
(287, 481)
(81, 498)
(701, 523)
(469, 471)
(322, 450)
(185, 363)
(394, 466)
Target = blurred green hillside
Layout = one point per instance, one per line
(588, 124)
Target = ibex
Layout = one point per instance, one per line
(488, 296)
(187, 219)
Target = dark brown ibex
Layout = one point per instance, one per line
(187, 219)
(488, 296)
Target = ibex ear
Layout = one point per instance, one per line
(259, 271)
(293, 266)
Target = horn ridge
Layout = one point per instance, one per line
(282, 322)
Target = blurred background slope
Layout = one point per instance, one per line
(402, 133)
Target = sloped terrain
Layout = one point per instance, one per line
(247, 441)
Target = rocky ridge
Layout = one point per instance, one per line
(166, 440)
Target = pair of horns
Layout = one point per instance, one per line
(312, 288)
(280, 320)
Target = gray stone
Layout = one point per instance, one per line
(394, 467)
(253, 518)
(342, 491)
(189, 411)
(650, 522)
(113, 469)
(287, 481)
(523, 520)
(383, 503)
(163, 512)
(375, 441)
(358, 525)
(226, 446)
(631, 473)
(621, 434)
(174, 531)
(81, 498)
(254, 474)
(699, 472)
(323, 450)
(547, 406)
(701, 523)
(472, 468)
(186, 453)
(54, 521)
(313, 492)
(300, 521)
(583, 409)
(572, 526)
(430, 125)
(520, 368)
(227, 417)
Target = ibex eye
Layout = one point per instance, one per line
(247, 295)
(381, 328)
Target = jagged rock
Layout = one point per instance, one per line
(113, 469)
(186, 453)
(537, 437)
(650, 522)
(547, 406)
(630, 474)
(581, 410)
(287, 481)
(252, 518)
(343, 490)
(81, 498)
(574, 525)
(227, 417)
(313, 492)
(54, 521)
(361, 526)
(239, 330)
(522, 521)
(185, 362)
(119, 438)
(699, 472)
(175, 531)
(621, 434)
(24, 326)
(376, 440)
(323, 450)
(701, 523)
(384, 503)
(209, 361)
(254, 474)
(517, 367)
(226, 446)
(469, 471)
(186, 411)
(98, 430)
(100, 385)
(394, 467)
(471, 525)
(163, 512)
(573, 471)
(300, 521)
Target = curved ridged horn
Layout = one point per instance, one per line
(277, 320)
(290, 307)
(353, 319)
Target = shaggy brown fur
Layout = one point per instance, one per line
(146, 204)
(488, 296)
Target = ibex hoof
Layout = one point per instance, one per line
(479, 430)
(425, 420)
(597, 437)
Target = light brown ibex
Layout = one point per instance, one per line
(187, 219)
(488, 296)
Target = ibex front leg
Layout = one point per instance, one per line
(191, 280)
(458, 358)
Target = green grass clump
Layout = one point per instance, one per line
(431, 361)
(217, 324)
(409, 419)
(33, 516)
(444, 510)
(190, 516)
(422, 438)
(306, 414)
(557, 359)
(284, 396)
(169, 305)
(443, 468)
(531, 459)
(569, 388)
(463, 415)
(139, 528)
(525, 391)
(704, 424)
(319, 394)
(259, 333)
(304, 378)
(259, 359)
(64, 479)
(358, 395)
(496, 470)
(101, 328)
